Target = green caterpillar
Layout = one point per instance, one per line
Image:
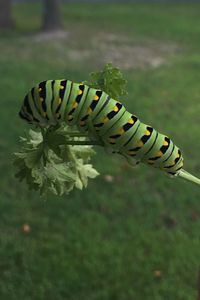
(92, 110)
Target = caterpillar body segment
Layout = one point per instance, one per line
(93, 111)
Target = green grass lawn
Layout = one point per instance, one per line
(137, 237)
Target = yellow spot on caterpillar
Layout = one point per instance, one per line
(105, 120)
(59, 101)
(75, 105)
(121, 131)
(115, 108)
(89, 110)
(159, 153)
(165, 143)
(69, 117)
(40, 89)
(80, 92)
(140, 144)
(147, 132)
(41, 99)
(62, 87)
(131, 121)
(172, 164)
(96, 98)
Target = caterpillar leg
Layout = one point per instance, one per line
(94, 134)
(131, 160)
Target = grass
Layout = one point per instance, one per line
(108, 241)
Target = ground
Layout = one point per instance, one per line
(133, 233)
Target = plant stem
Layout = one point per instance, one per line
(76, 134)
(71, 134)
(83, 143)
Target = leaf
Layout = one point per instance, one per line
(84, 152)
(21, 174)
(35, 137)
(29, 158)
(84, 171)
(110, 80)
(50, 165)
(38, 176)
(59, 172)
(33, 158)
(90, 171)
(78, 183)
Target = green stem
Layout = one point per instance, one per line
(70, 142)
(187, 176)
(76, 134)
(83, 143)
(43, 131)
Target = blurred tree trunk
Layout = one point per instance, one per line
(51, 17)
(6, 21)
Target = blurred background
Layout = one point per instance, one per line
(133, 233)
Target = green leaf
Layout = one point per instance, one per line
(38, 176)
(35, 137)
(110, 80)
(22, 174)
(59, 172)
(84, 171)
(90, 171)
(79, 183)
(48, 166)
(84, 152)
(33, 158)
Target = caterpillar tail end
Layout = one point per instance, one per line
(187, 176)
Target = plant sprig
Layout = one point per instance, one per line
(47, 163)
(110, 80)
(56, 159)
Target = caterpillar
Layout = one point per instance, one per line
(95, 112)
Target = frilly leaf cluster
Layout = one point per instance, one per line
(110, 80)
(47, 164)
